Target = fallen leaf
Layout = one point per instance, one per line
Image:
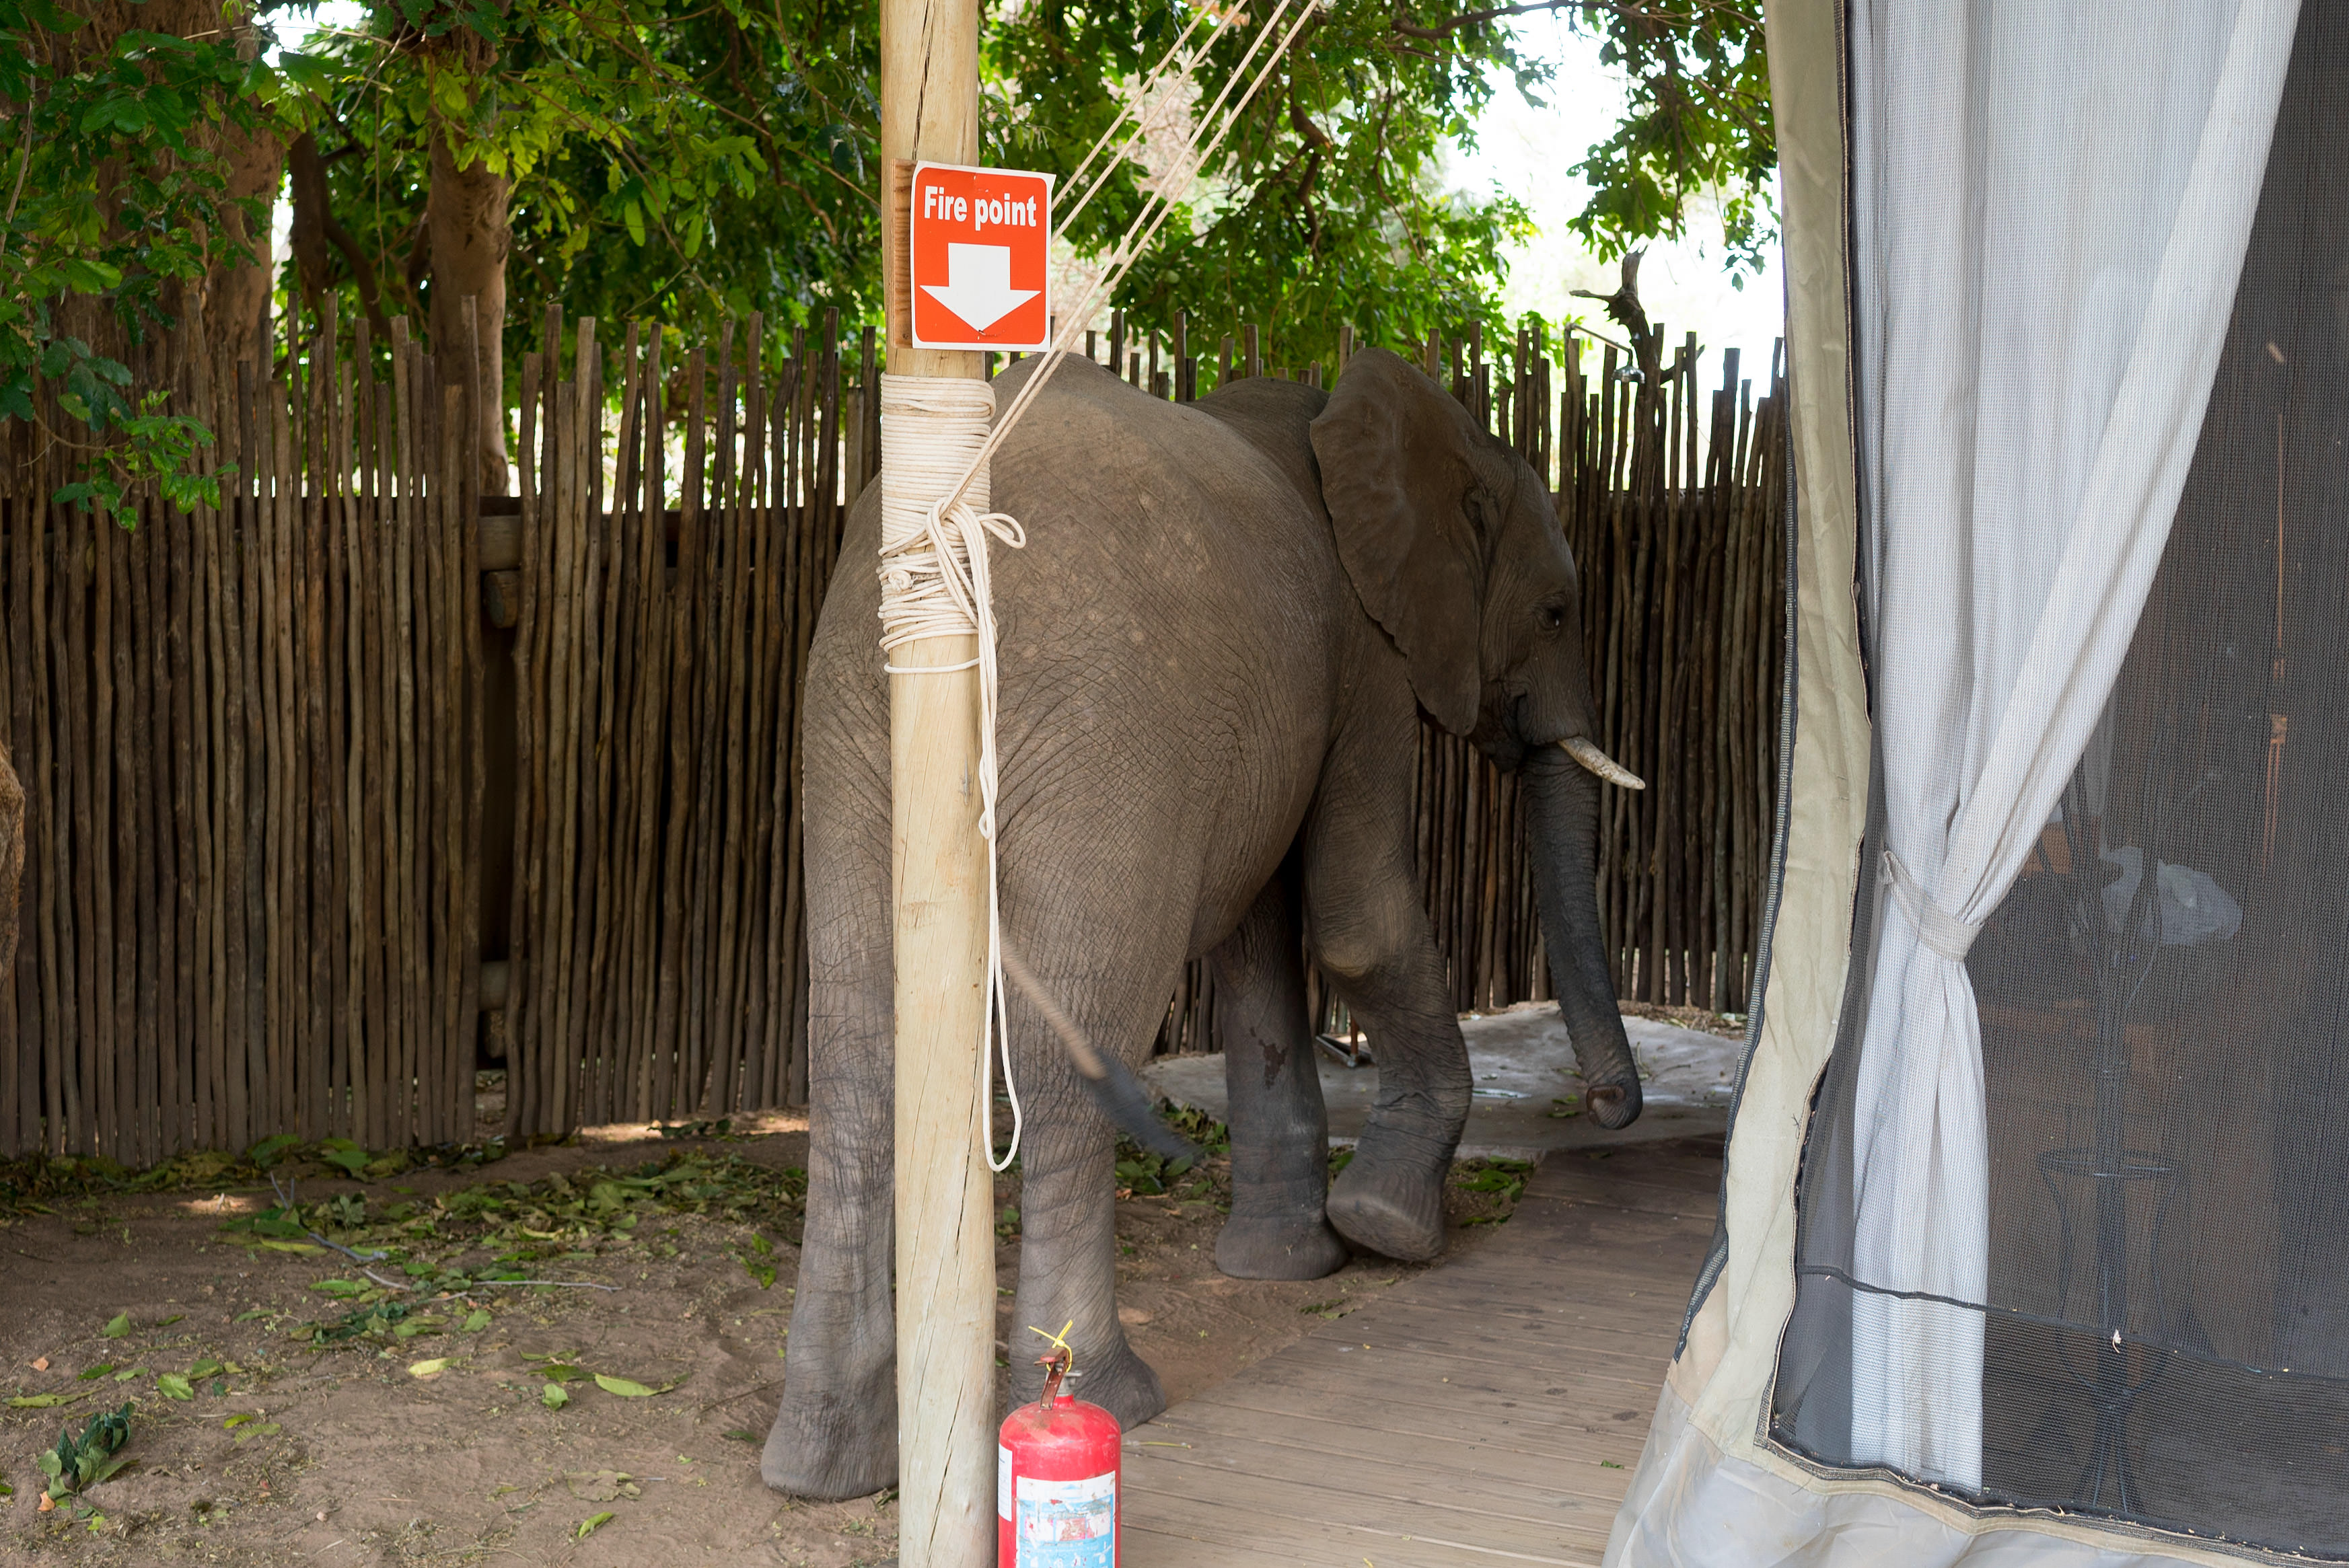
(172, 1386)
(475, 1322)
(623, 1387)
(427, 1368)
(45, 1401)
(47, 1502)
(591, 1524)
(291, 1247)
(205, 1368)
(562, 1372)
(42, 1365)
(100, 1370)
(118, 1329)
(740, 1435)
(554, 1397)
(601, 1486)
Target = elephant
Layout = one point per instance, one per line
(1214, 653)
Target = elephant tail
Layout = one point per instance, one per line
(1116, 1093)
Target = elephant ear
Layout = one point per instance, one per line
(1393, 449)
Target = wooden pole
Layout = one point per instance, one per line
(944, 1235)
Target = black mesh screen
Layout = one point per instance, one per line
(2166, 1054)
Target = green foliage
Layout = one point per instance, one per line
(80, 1463)
(38, 1185)
(1499, 1181)
(688, 162)
(1146, 1174)
(114, 198)
(476, 1238)
(1324, 208)
(681, 162)
(1698, 123)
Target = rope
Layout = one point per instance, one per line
(935, 583)
(936, 441)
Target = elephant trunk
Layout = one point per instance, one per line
(1563, 813)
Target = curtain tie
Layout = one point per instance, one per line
(1941, 932)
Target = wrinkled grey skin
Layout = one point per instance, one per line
(1214, 651)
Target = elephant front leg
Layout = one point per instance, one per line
(1279, 1129)
(1373, 943)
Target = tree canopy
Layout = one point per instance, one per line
(680, 160)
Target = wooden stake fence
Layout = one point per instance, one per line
(257, 741)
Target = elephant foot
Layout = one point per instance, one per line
(1117, 1379)
(1279, 1247)
(835, 1445)
(1395, 1209)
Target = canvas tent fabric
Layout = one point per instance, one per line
(2030, 1239)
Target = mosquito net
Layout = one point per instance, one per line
(2158, 1331)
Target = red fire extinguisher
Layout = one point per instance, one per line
(1056, 1474)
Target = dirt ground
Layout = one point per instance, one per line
(288, 1406)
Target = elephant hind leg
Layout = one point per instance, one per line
(835, 1433)
(1279, 1129)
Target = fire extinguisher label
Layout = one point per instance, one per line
(1068, 1523)
(1002, 1482)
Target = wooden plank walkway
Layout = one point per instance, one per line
(1487, 1412)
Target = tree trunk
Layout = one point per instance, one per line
(11, 856)
(465, 214)
(237, 292)
(225, 312)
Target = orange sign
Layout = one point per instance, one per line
(980, 243)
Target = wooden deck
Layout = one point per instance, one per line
(1486, 1412)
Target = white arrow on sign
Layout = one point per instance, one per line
(979, 285)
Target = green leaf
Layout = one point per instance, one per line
(563, 1372)
(623, 1387)
(270, 1151)
(100, 1370)
(118, 1329)
(475, 1321)
(204, 1368)
(554, 1397)
(437, 1365)
(342, 1152)
(85, 276)
(109, 1469)
(45, 1401)
(591, 1524)
(172, 1386)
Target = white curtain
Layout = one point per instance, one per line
(2050, 200)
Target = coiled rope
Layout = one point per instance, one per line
(938, 437)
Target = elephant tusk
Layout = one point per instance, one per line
(1598, 762)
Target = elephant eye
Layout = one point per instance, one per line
(1553, 616)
